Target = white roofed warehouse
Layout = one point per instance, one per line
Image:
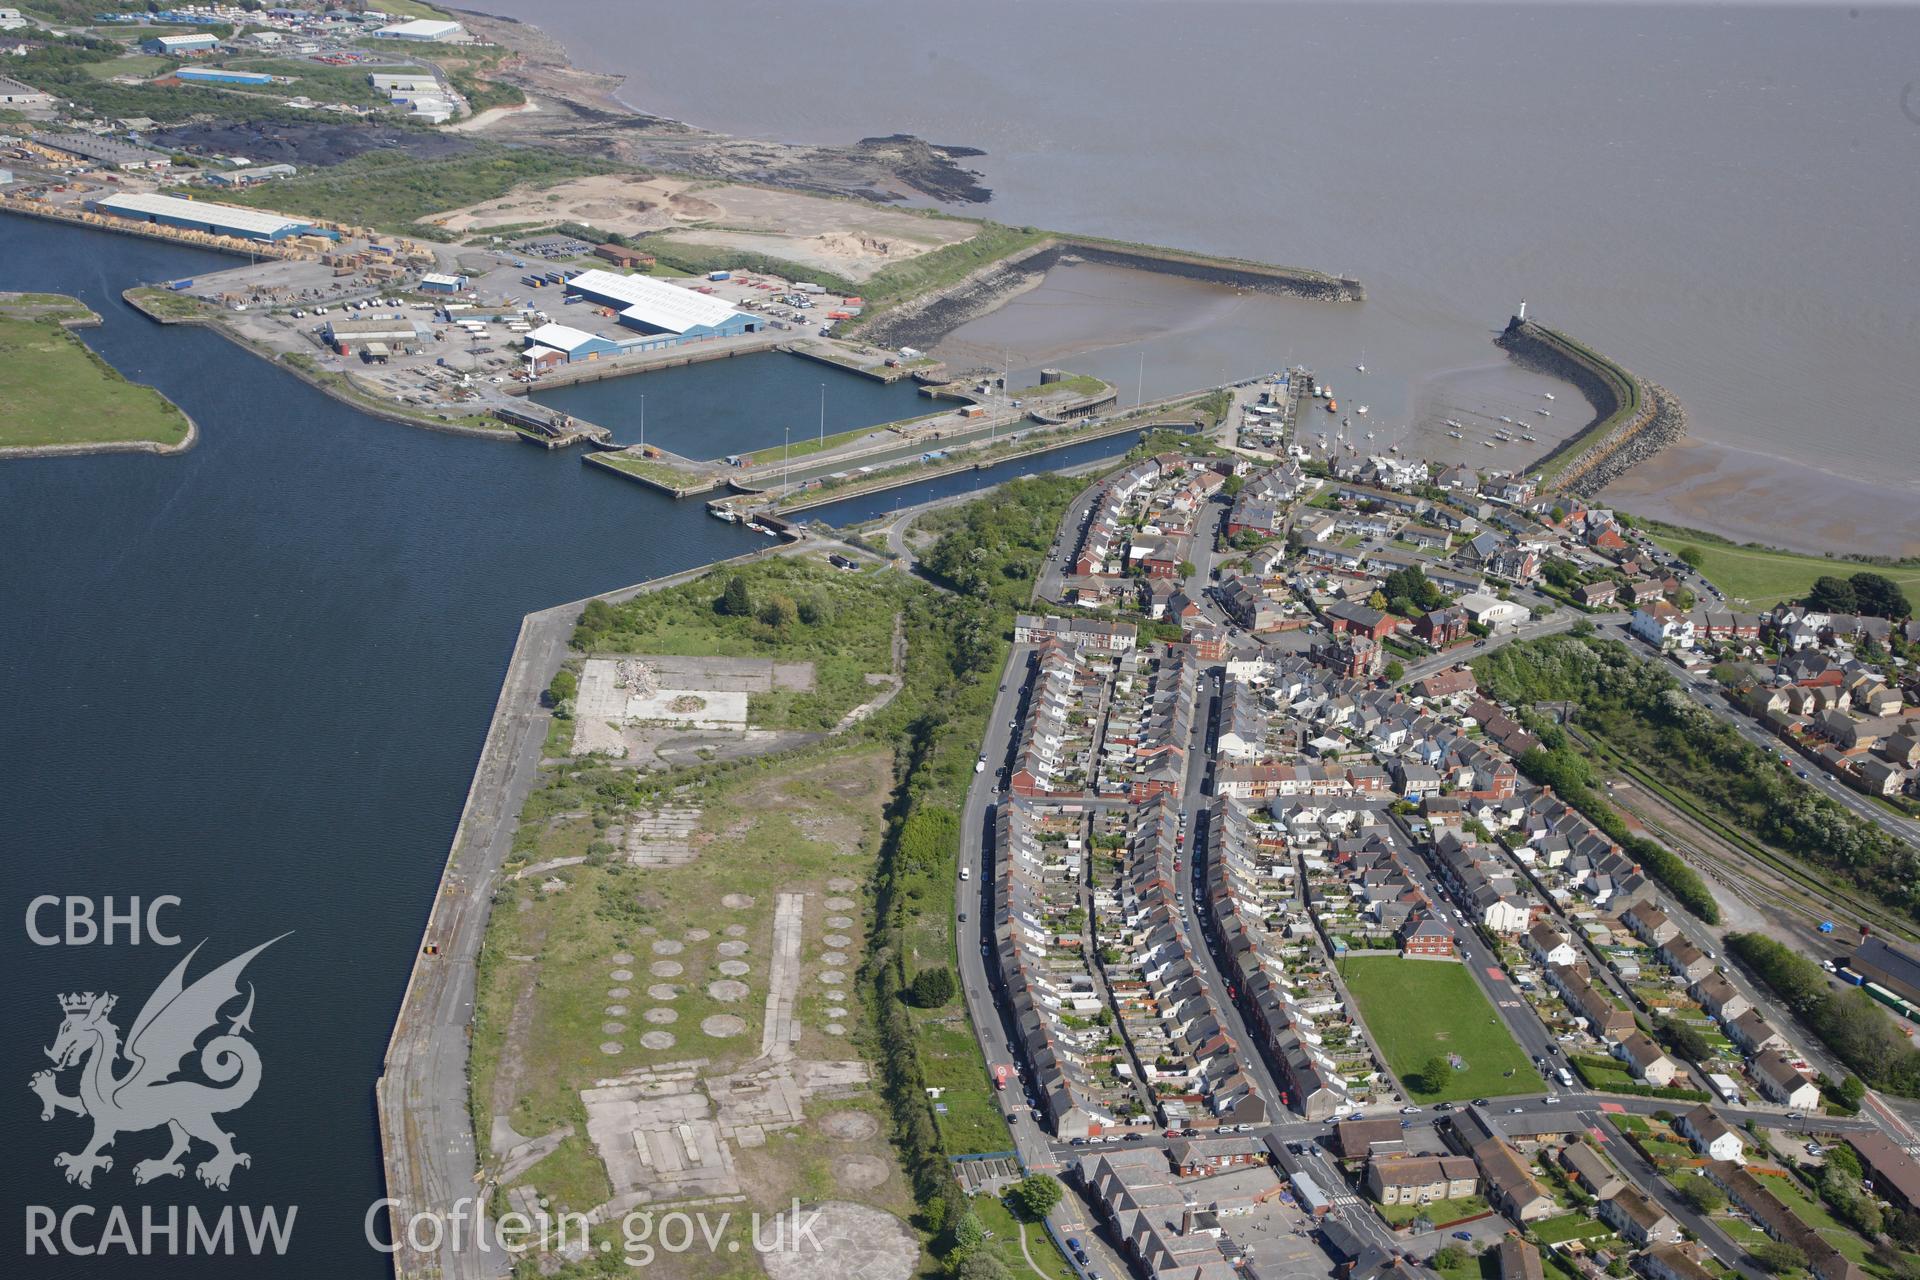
(655, 306)
(208, 216)
(573, 344)
(433, 30)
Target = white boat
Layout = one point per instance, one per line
(1453, 424)
(1528, 436)
(1505, 418)
(1369, 435)
(1360, 409)
(1361, 368)
(1545, 413)
(1487, 443)
(1547, 394)
(1454, 434)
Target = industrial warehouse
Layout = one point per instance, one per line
(204, 215)
(656, 307)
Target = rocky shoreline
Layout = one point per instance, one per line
(1667, 424)
(581, 114)
(1659, 421)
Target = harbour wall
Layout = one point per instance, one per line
(923, 321)
(1636, 418)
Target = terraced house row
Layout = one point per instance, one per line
(1169, 1013)
(1041, 932)
(1277, 966)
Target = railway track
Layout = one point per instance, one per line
(1776, 885)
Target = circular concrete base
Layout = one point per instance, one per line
(722, 1025)
(833, 977)
(668, 947)
(696, 935)
(618, 993)
(616, 1011)
(839, 904)
(861, 1172)
(610, 1048)
(622, 975)
(663, 991)
(666, 969)
(661, 1017)
(613, 1028)
(839, 940)
(737, 901)
(834, 959)
(735, 968)
(839, 922)
(658, 1040)
(625, 957)
(728, 950)
(735, 931)
(849, 1126)
(727, 990)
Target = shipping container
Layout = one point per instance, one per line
(719, 275)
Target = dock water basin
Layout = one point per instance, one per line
(738, 406)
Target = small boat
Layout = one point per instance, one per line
(1528, 436)
(724, 513)
(1547, 394)
(1453, 424)
(1369, 435)
(1454, 434)
(1360, 409)
(1360, 367)
(1333, 406)
(1545, 413)
(1505, 418)
(1488, 443)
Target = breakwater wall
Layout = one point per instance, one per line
(923, 321)
(1636, 419)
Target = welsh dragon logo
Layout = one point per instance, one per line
(146, 1095)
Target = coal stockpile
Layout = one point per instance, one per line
(312, 145)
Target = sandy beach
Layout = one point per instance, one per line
(1749, 496)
